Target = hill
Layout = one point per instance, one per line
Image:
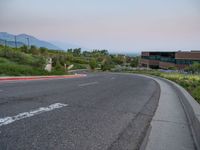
(22, 39)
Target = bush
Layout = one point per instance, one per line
(190, 82)
(194, 68)
(135, 62)
(79, 60)
(196, 93)
(106, 66)
(79, 66)
(93, 64)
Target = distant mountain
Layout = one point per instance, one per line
(11, 43)
(22, 39)
(66, 45)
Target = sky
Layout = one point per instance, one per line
(125, 26)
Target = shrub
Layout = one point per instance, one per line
(196, 93)
(93, 64)
(79, 66)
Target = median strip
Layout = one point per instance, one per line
(8, 120)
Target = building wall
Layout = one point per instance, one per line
(167, 59)
(144, 62)
(154, 62)
(166, 65)
(148, 63)
(181, 66)
(188, 55)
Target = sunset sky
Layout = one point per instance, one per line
(117, 25)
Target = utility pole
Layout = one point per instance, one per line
(5, 43)
(16, 42)
(28, 42)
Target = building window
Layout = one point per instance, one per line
(186, 61)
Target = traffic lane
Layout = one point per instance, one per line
(18, 88)
(67, 128)
(35, 95)
(97, 112)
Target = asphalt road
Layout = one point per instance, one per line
(102, 112)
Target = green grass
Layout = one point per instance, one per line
(11, 68)
(190, 82)
(16, 63)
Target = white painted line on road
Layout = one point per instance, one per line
(8, 120)
(86, 84)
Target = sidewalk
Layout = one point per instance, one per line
(169, 128)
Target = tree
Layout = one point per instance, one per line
(77, 51)
(70, 51)
(104, 52)
(86, 54)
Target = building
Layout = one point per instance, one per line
(166, 60)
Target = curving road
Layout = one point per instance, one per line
(102, 111)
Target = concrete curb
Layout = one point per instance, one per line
(191, 108)
(191, 111)
(40, 77)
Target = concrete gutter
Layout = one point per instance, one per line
(176, 123)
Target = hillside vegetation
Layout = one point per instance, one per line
(191, 82)
(32, 60)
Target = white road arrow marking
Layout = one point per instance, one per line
(8, 120)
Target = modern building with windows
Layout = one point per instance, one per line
(166, 60)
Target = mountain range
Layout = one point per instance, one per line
(22, 39)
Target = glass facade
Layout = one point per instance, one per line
(169, 57)
(151, 57)
(186, 61)
(161, 56)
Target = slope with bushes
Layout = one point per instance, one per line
(31, 60)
